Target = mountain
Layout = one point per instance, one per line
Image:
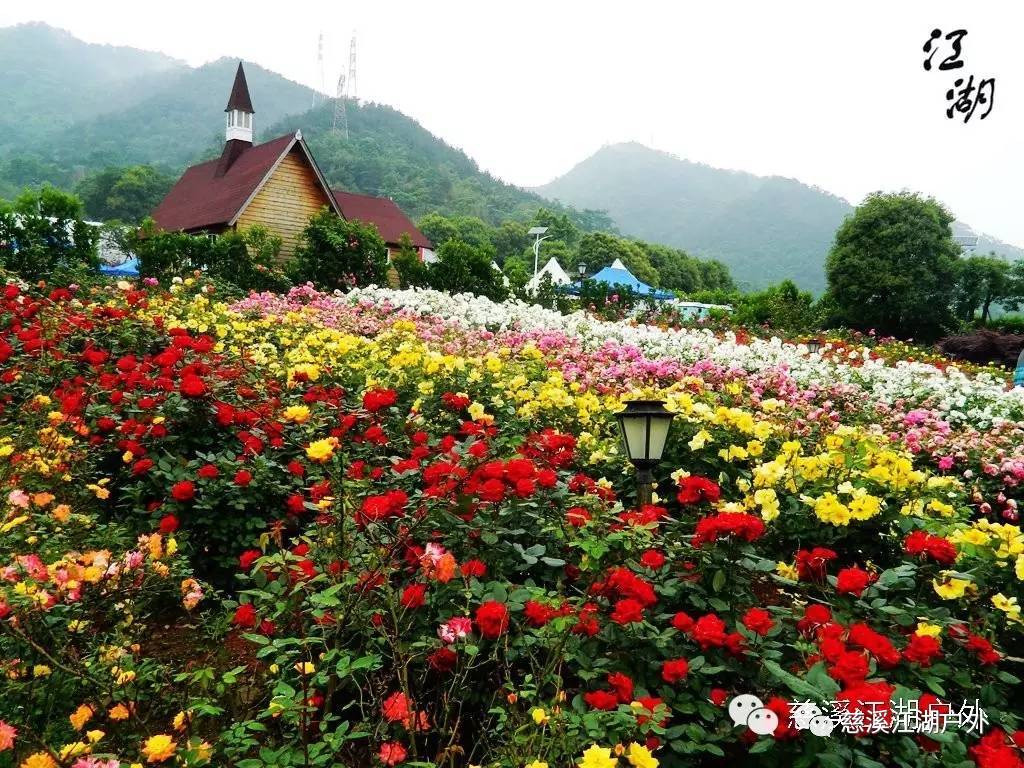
(764, 228)
(82, 108)
(389, 154)
(53, 80)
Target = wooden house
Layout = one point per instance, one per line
(275, 184)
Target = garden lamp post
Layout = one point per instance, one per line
(538, 233)
(582, 269)
(644, 426)
(814, 346)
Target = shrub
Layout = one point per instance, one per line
(461, 267)
(337, 253)
(43, 234)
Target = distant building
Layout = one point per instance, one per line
(391, 223)
(276, 184)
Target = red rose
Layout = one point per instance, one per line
(577, 516)
(183, 491)
(192, 386)
(392, 753)
(396, 708)
(208, 472)
(603, 700)
(168, 524)
(811, 564)
(682, 621)
(243, 477)
(628, 611)
(247, 558)
(709, 632)
(473, 569)
(492, 490)
(851, 668)
(652, 559)
(547, 478)
(852, 581)
(377, 399)
(718, 696)
(492, 618)
(537, 614)
(622, 685)
(674, 671)
(245, 616)
(758, 620)
(443, 659)
(414, 596)
(695, 489)
(142, 466)
(296, 504)
(923, 650)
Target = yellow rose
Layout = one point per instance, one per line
(158, 748)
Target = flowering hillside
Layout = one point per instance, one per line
(397, 528)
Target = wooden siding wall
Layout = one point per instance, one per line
(290, 196)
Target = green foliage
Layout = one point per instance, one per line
(893, 267)
(462, 267)
(780, 307)
(43, 235)
(123, 194)
(246, 260)
(337, 253)
(411, 269)
(983, 280)
(509, 243)
(164, 255)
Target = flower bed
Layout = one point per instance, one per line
(396, 528)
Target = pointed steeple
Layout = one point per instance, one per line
(239, 98)
(238, 128)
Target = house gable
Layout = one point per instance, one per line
(291, 193)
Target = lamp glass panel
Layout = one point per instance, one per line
(634, 429)
(659, 434)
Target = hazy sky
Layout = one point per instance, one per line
(830, 93)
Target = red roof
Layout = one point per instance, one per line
(203, 199)
(390, 221)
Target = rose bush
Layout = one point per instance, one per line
(397, 528)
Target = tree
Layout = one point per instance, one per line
(123, 194)
(893, 266)
(461, 267)
(411, 269)
(42, 233)
(983, 281)
(337, 253)
(599, 249)
(782, 307)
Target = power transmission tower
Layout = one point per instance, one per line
(340, 123)
(353, 93)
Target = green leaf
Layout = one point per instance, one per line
(794, 683)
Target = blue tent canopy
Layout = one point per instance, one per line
(129, 268)
(618, 276)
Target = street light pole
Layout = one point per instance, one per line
(538, 232)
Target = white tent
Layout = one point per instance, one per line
(555, 273)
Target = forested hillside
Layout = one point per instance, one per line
(764, 228)
(79, 113)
